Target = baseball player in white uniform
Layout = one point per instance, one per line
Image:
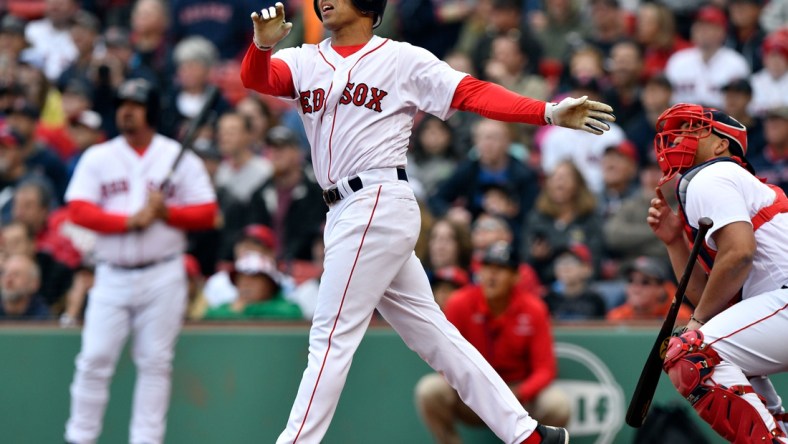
(357, 95)
(140, 284)
(721, 362)
(698, 74)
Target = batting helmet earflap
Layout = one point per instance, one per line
(143, 92)
(376, 7)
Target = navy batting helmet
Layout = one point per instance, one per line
(375, 7)
(143, 92)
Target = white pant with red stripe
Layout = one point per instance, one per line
(149, 304)
(369, 263)
(749, 338)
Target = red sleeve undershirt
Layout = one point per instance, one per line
(496, 102)
(272, 76)
(266, 75)
(90, 215)
(193, 217)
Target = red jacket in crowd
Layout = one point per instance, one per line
(518, 343)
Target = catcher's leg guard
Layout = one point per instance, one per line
(689, 364)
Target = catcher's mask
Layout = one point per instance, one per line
(679, 130)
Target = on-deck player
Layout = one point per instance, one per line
(720, 363)
(140, 284)
(357, 95)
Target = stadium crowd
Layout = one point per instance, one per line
(572, 204)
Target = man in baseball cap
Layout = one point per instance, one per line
(649, 292)
(527, 365)
(698, 73)
(259, 292)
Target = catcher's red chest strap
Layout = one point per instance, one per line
(767, 213)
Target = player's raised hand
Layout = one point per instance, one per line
(270, 26)
(583, 114)
(663, 221)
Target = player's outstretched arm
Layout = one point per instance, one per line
(270, 26)
(580, 113)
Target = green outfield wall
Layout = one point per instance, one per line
(235, 385)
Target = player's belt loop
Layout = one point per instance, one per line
(333, 195)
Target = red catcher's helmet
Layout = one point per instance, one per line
(679, 130)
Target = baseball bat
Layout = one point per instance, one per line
(212, 94)
(652, 369)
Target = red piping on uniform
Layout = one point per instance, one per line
(750, 325)
(339, 311)
(324, 113)
(326, 60)
(331, 135)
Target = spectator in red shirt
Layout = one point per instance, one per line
(510, 328)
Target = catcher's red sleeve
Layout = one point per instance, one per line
(496, 102)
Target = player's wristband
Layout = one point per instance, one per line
(693, 318)
(261, 47)
(548, 112)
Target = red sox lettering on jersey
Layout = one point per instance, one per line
(359, 95)
(358, 116)
(111, 188)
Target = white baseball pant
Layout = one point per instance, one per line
(150, 304)
(747, 338)
(369, 263)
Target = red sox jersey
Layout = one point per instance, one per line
(352, 107)
(117, 178)
(728, 193)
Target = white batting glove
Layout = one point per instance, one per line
(581, 113)
(270, 26)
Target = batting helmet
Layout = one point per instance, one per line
(375, 7)
(679, 130)
(143, 92)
